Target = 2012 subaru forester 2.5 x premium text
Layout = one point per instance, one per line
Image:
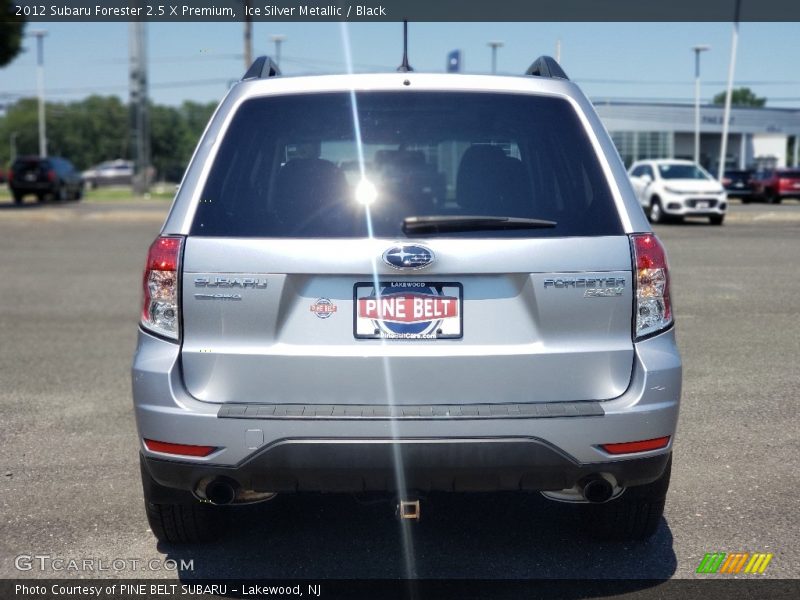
(400, 283)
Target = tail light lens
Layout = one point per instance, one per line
(51, 175)
(10, 175)
(651, 281)
(641, 446)
(178, 449)
(160, 311)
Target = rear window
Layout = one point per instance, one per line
(292, 166)
(682, 171)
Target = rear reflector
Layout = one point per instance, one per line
(179, 449)
(641, 446)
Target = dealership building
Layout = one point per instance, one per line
(757, 137)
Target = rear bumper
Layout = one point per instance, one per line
(32, 187)
(457, 465)
(681, 205)
(511, 447)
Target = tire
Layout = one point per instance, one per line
(745, 200)
(656, 214)
(635, 515)
(716, 219)
(18, 197)
(177, 517)
(773, 198)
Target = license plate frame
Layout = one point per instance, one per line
(427, 328)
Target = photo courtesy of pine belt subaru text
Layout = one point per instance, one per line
(400, 283)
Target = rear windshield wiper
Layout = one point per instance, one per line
(446, 223)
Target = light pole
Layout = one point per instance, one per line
(277, 39)
(723, 150)
(494, 45)
(697, 51)
(39, 35)
(12, 143)
(248, 37)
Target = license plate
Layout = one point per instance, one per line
(408, 310)
(30, 177)
(702, 205)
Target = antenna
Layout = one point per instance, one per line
(404, 66)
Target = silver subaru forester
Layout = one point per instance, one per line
(400, 283)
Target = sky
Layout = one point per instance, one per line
(616, 61)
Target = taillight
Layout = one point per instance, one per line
(651, 281)
(10, 175)
(726, 181)
(51, 175)
(160, 312)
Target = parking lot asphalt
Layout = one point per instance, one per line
(70, 281)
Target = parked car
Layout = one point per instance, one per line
(739, 184)
(52, 177)
(112, 172)
(670, 189)
(510, 329)
(773, 185)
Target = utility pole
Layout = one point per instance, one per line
(697, 50)
(723, 150)
(39, 35)
(277, 39)
(248, 37)
(494, 45)
(140, 126)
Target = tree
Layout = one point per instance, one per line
(742, 96)
(11, 27)
(97, 129)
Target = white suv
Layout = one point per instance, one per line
(674, 189)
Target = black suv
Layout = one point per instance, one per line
(738, 184)
(51, 177)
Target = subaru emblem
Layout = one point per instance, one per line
(408, 256)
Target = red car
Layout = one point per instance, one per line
(773, 185)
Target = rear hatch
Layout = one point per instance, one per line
(30, 171)
(310, 275)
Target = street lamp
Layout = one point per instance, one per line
(278, 39)
(12, 145)
(39, 35)
(494, 45)
(697, 51)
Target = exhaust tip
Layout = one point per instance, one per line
(598, 490)
(221, 491)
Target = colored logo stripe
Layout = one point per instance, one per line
(734, 562)
(711, 562)
(758, 563)
(720, 562)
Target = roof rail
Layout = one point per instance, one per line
(262, 68)
(546, 66)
